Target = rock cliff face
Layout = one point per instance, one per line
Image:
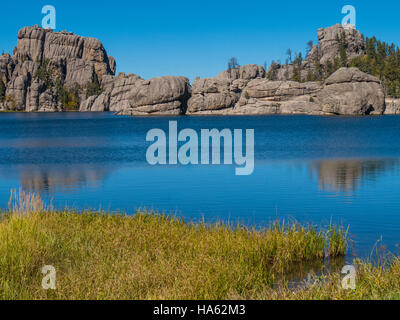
(42, 58)
(48, 68)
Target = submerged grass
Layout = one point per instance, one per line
(152, 256)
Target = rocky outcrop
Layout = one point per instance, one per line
(37, 44)
(158, 96)
(326, 51)
(328, 48)
(263, 96)
(347, 92)
(352, 92)
(392, 106)
(62, 57)
(220, 95)
(47, 68)
(6, 67)
(132, 95)
(247, 72)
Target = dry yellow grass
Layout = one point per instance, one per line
(150, 256)
(146, 256)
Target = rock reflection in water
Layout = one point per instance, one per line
(49, 179)
(348, 175)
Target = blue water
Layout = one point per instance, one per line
(309, 169)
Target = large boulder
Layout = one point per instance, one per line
(352, 92)
(212, 95)
(132, 95)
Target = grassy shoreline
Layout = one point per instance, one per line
(151, 256)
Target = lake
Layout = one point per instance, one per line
(313, 170)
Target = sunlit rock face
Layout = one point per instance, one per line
(70, 61)
(346, 92)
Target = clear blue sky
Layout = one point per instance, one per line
(156, 38)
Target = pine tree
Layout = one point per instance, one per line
(296, 74)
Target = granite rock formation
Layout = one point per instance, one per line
(57, 71)
(326, 51)
(347, 92)
(132, 95)
(220, 95)
(62, 58)
(392, 106)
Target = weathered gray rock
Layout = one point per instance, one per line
(48, 102)
(30, 45)
(33, 95)
(246, 72)
(329, 43)
(77, 61)
(6, 67)
(347, 92)
(99, 103)
(16, 93)
(80, 72)
(352, 92)
(392, 106)
(212, 95)
(219, 95)
(86, 105)
(132, 95)
(279, 90)
(263, 96)
(71, 59)
(327, 50)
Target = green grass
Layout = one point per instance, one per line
(151, 256)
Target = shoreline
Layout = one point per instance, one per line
(207, 115)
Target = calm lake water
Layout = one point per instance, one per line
(309, 169)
